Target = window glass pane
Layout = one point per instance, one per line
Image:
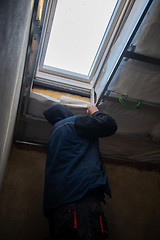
(77, 30)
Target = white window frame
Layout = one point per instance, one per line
(120, 23)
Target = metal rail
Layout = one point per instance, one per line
(140, 57)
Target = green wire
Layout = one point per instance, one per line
(127, 105)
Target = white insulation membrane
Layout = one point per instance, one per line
(138, 136)
(137, 79)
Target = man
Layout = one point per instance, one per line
(75, 177)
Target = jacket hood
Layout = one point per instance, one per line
(57, 112)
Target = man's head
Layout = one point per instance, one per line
(57, 112)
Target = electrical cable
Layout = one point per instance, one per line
(127, 105)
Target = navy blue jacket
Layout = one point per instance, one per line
(74, 165)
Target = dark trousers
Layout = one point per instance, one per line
(81, 220)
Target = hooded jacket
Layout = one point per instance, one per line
(74, 165)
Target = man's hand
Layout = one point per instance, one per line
(91, 109)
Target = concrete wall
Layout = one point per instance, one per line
(21, 198)
(15, 17)
(134, 209)
(132, 213)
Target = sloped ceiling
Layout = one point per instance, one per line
(140, 127)
(138, 135)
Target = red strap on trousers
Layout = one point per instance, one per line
(75, 219)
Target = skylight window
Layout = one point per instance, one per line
(76, 42)
(77, 31)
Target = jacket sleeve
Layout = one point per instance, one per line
(95, 126)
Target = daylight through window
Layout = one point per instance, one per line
(77, 31)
